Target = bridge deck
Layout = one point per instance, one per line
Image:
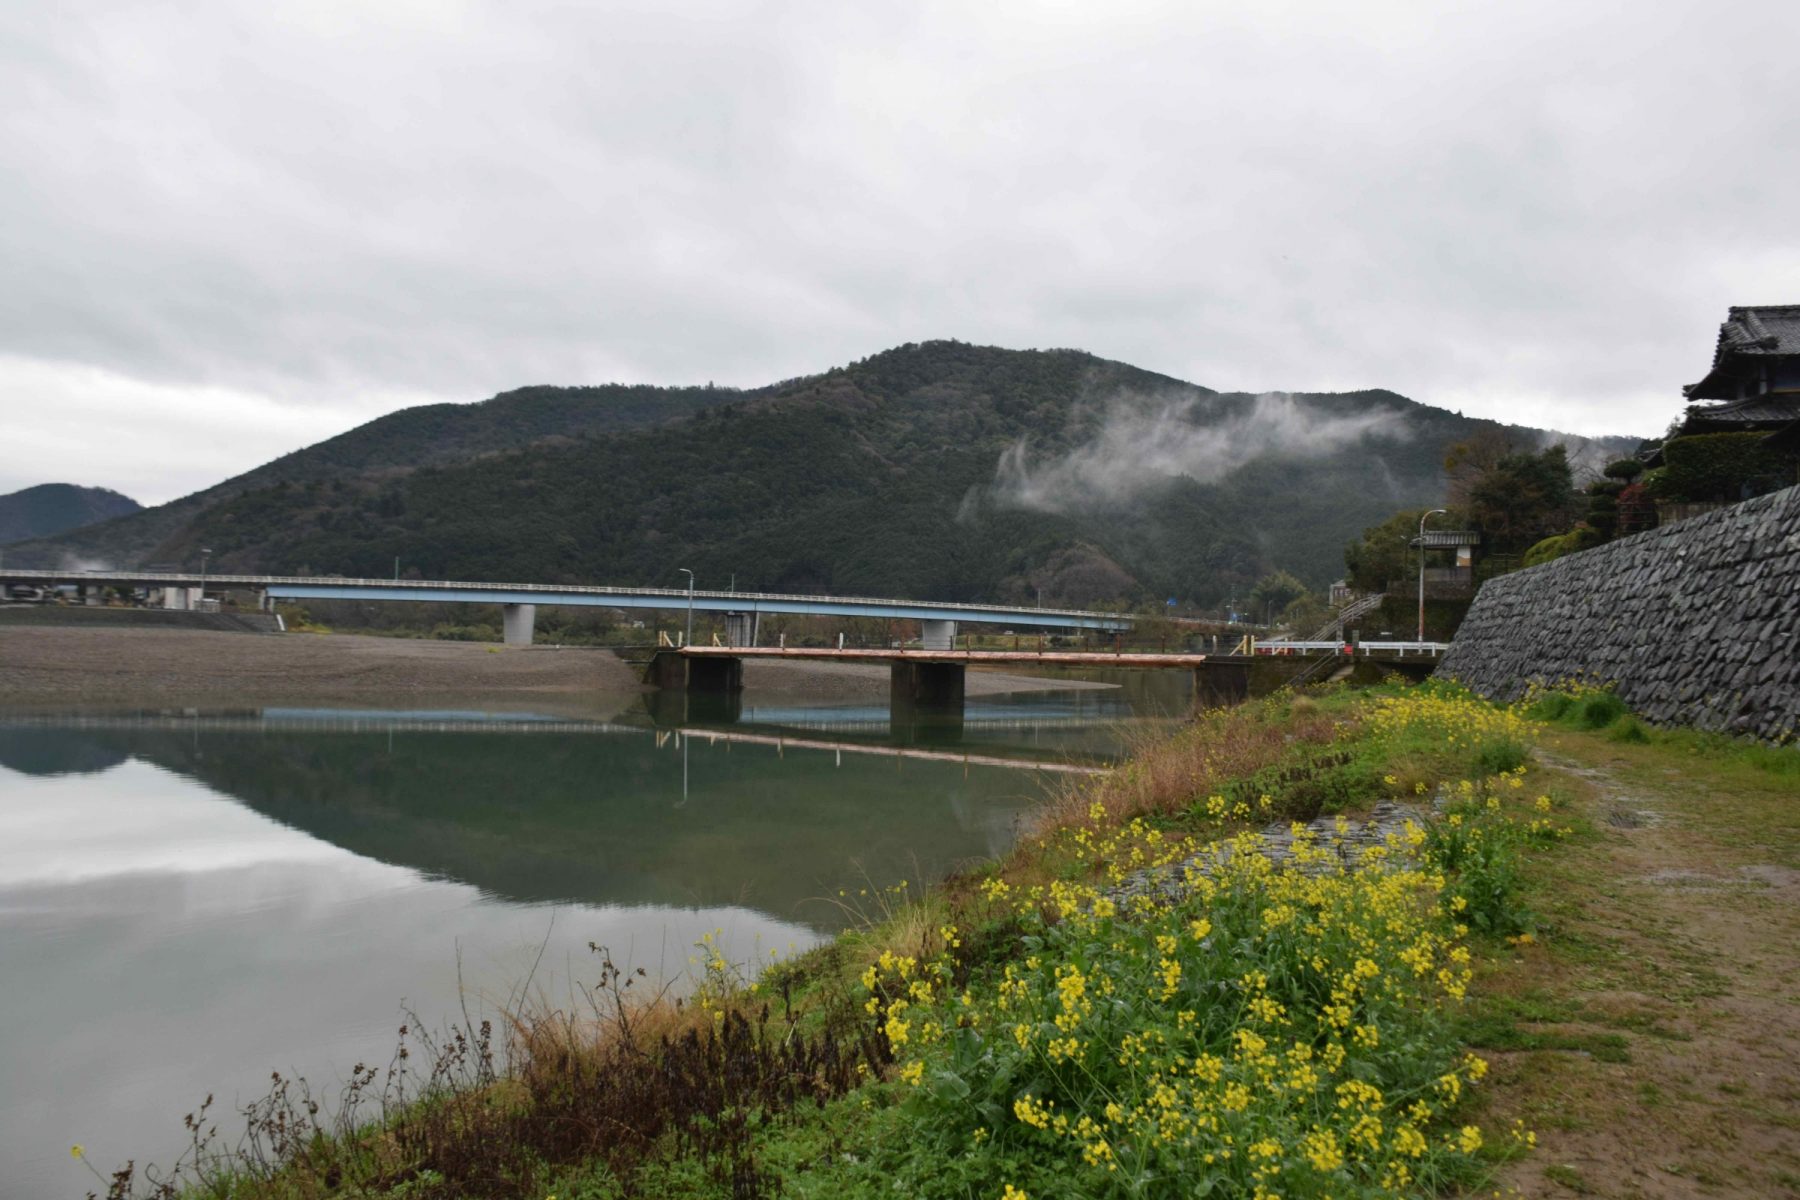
(1057, 658)
(668, 599)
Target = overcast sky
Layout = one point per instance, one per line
(229, 230)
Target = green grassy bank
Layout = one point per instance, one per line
(1138, 1001)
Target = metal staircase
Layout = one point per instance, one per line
(1323, 665)
(1334, 628)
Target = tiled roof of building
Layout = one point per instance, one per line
(1446, 538)
(1765, 412)
(1763, 329)
(1770, 329)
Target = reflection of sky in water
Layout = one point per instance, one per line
(187, 907)
(161, 941)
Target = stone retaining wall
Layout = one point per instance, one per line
(1694, 623)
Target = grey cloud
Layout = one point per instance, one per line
(1534, 211)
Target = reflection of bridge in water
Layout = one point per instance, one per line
(313, 721)
(352, 722)
(783, 742)
(874, 718)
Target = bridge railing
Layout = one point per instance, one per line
(1338, 647)
(1282, 646)
(1432, 649)
(676, 596)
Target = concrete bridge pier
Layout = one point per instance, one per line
(715, 691)
(925, 701)
(740, 628)
(715, 676)
(940, 635)
(1221, 684)
(706, 690)
(517, 623)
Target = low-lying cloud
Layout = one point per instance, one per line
(1142, 444)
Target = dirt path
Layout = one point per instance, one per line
(1668, 984)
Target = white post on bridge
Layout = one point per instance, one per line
(937, 635)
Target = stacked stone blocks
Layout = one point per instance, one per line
(1694, 623)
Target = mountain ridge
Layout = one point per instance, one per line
(883, 476)
(406, 439)
(47, 509)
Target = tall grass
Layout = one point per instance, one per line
(1163, 775)
(628, 1078)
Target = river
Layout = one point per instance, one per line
(191, 900)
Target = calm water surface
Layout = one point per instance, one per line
(189, 901)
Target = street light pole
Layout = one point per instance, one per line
(204, 555)
(690, 626)
(1434, 512)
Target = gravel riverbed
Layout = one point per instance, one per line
(137, 667)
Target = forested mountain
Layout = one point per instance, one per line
(52, 508)
(939, 469)
(396, 443)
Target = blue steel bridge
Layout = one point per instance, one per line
(519, 601)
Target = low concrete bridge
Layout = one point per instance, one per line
(925, 691)
(925, 688)
(518, 601)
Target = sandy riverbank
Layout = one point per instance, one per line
(57, 666)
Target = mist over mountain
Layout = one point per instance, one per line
(939, 470)
(1143, 440)
(52, 508)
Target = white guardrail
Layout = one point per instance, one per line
(1401, 649)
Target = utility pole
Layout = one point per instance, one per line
(690, 623)
(1434, 512)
